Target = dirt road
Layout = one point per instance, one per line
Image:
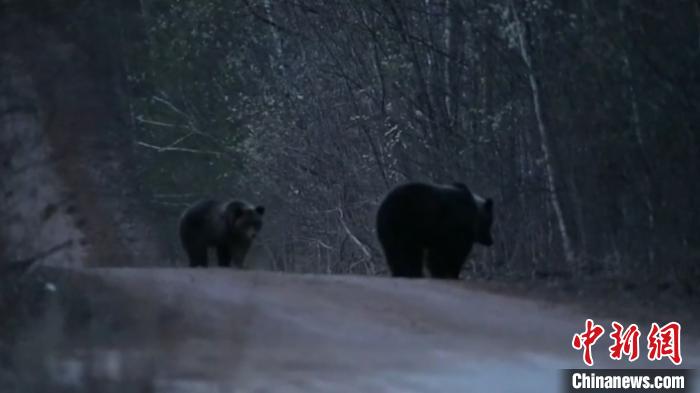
(215, 330)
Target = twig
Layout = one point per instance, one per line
(161, 149)
(140, 119)
(25, 265)
(358, 242)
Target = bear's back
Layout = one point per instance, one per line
(425, 211)
(199, 211)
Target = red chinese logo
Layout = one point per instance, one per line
(626, 343)
(662, 342)
(586, 340)
(665, 342)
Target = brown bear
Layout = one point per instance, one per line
(433, 221)
(229, 227)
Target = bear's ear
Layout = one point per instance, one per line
(260, 210)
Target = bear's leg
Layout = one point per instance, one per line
(224, 255)
(446, 262)
(405, 261)
(239, 253)
(197, 255)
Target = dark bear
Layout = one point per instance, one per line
(229, 227)
(437, 222)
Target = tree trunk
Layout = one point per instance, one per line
(647, 188)
(544, 142)
(276, 40)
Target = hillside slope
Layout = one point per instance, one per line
(67, 159)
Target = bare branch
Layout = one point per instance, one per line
(161, 149)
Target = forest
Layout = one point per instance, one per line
(575, 121)
(579, 118)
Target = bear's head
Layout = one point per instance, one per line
(244, 219)
(484, 219)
